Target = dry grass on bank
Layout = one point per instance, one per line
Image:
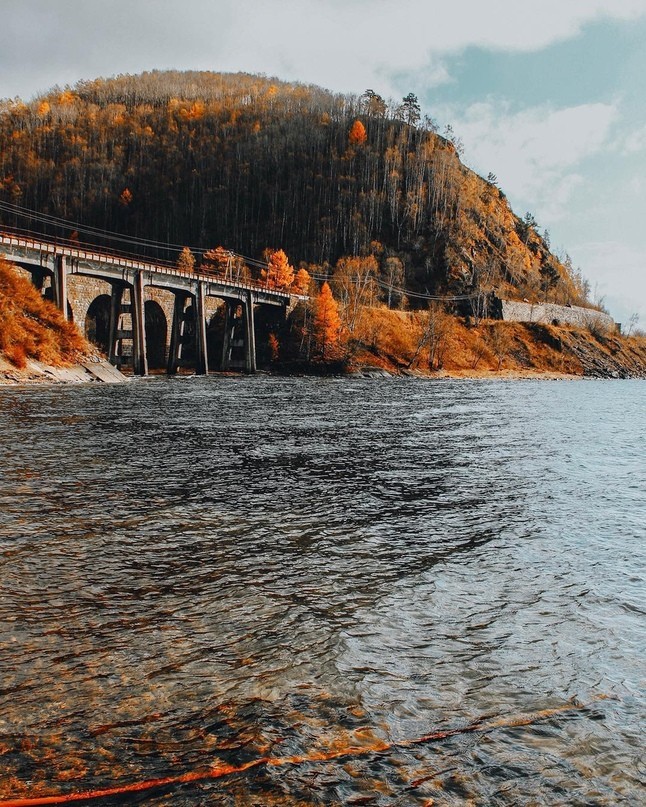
(33, 328)
(433, 341)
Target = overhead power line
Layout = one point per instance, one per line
(147, 243)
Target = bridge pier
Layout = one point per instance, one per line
(139, 358)
(239, 345)
(250, 341)
(180, 332)
(117, 332)
(60, 284)
(201, 354)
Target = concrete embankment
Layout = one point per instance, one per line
(92, 370)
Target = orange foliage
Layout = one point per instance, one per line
(186, 260)
(66, 98)
(194, 112)
(125, 197)
(31, 327)
(357, 135)
(327, 323)
(274, 347)
(217, 260)
(279, 273)
(301, 282)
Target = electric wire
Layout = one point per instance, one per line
(146, 243)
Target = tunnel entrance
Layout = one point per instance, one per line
(97, 322)
(156, 335)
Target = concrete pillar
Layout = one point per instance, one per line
(116, 296)
(201, 353)
(177, 333)
(250, 335)
(173, 351)
(60, 284)
(139, 358)
(229, 328)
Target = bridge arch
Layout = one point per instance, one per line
(97, 322)
(156, 335)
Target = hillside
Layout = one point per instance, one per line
(32, 327)
(249, 162)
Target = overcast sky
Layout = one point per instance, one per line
(549, 95)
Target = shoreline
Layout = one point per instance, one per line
(91, 370)
(94, 370)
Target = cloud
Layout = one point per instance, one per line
(534, 152)
(355, 44)
(346, 45)
(618, 273)
(635, 142)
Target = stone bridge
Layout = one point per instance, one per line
(149, 316)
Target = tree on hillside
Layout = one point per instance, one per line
(354, 281)
(186, 260)
(327, 323)
(529, 225)
(218, 261)
(279, 273)
(409, 110)
(434, 336)
(373, 104)
(357, 135)
(393, 277)
(301, 282)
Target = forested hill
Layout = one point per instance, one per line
(249, 163)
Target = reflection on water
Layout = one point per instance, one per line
(198, 571)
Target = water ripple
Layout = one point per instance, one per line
(225, 568)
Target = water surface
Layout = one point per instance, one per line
(194, 570)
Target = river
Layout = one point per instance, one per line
(207, 571)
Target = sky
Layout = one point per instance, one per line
(549, 95)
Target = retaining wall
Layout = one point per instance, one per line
(551, 314)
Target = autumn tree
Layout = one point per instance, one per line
(125, 197)
(279, 273)
(327, 323)
(357, 135)
(435, 335)
(218, 260)
(274, 347)
(301, 282)
(186, 260)
(499, 341)
(355, 281)
(393, 277)
(373, 104)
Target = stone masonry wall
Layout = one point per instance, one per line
(551, 314)
(82, 291)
